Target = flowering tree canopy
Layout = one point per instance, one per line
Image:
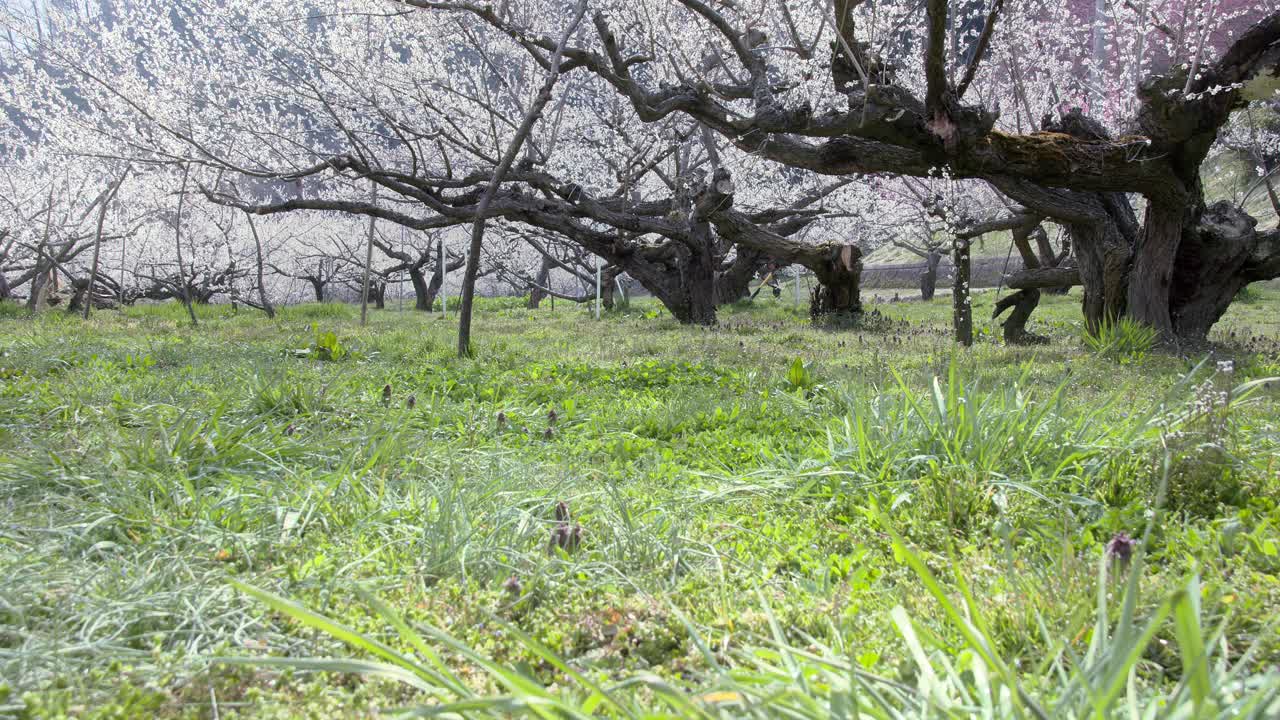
(687, 143)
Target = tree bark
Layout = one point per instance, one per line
(929, 277)
(97, 240)
(608, 286)
(1153, 265)
(368, 257)
(1049, 258)
(499, 174)
(1041, 278)
(36, 300)
(733, 283)
(699, 282)
(961, 307)
(543, 279)
(258, 258)
(426, 291)
(837, 266)
(422, 298)
(839, 276)
(1216, 259)
(1024, 303)
(887, 128)
(177, 242)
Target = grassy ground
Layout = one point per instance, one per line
(762, 505)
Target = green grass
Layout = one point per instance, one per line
(776, 519)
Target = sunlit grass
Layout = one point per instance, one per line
(737, 515)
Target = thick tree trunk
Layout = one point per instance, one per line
(698, 276)
(929, 277)
(1214, 262)
(838, 266)
(1181, 268)
(423, 298)
(608, 286)
(543, 280)
(840, 277)
(434, 286)
(1151, 281)
(39, 290)
(1101, 227)
(669, 275)
(683, 280)
(1104, 254)
(698, 309)
(734, 281)
(691, 292)
(317, 286)
(1217, 252)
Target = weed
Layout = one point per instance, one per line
(1124, 340)
(800, 377)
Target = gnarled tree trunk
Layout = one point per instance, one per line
(839, 272)
(929, 277)
(1217, 258)
(422, 298)
(537, 292)
(608, 285)
(1154, 256)
(734, 281)
(1023, 302)
(699, 275)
